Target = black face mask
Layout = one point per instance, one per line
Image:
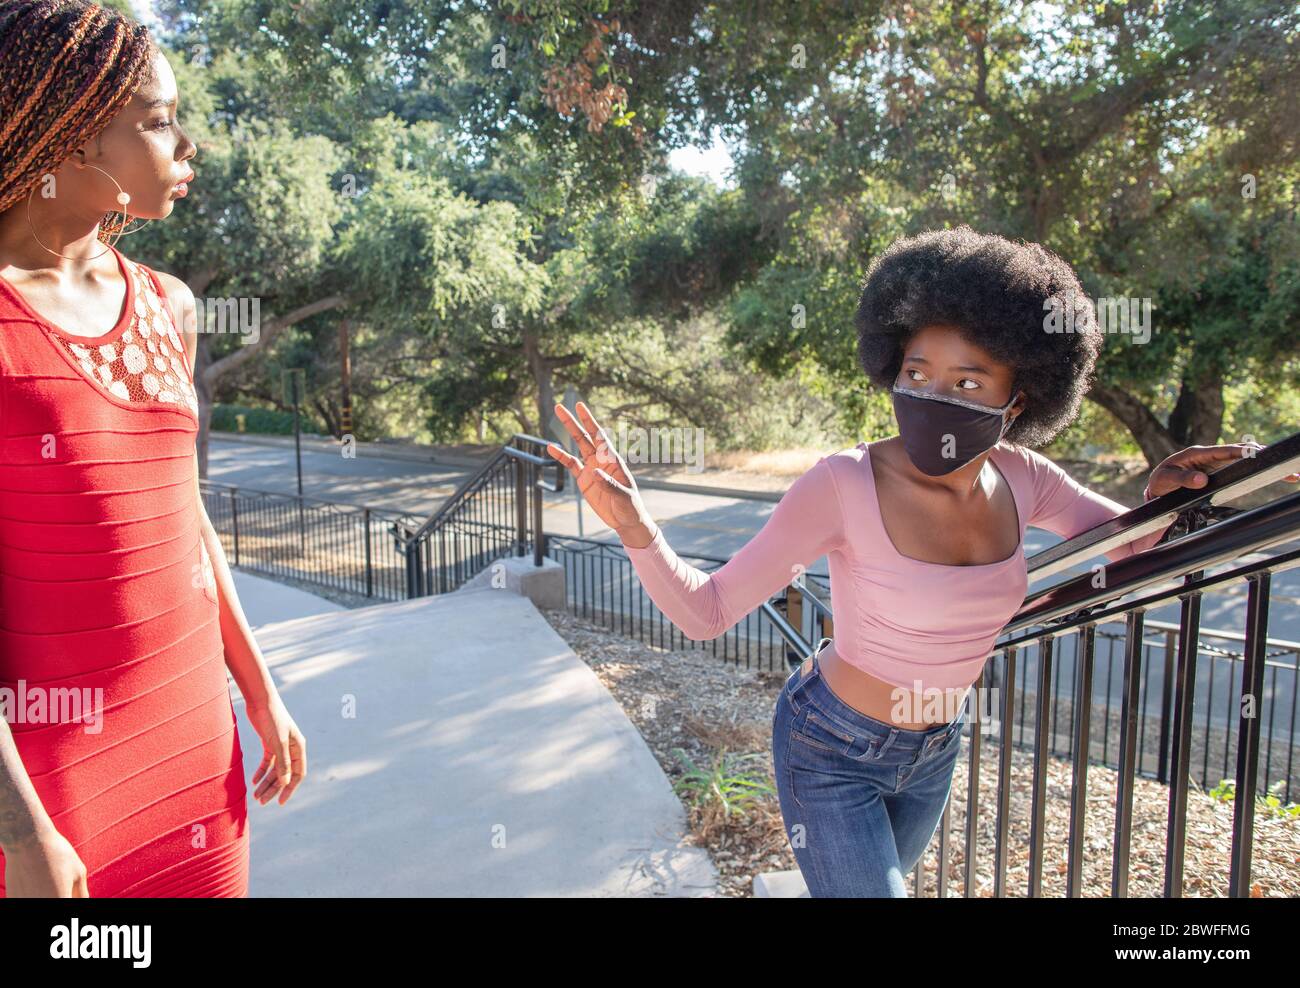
(942, 434)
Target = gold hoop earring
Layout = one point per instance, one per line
(110, 230)
(31, 226)
(116, 230)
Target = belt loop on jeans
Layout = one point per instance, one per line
(893, 733)
(809, 665)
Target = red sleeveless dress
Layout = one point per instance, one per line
(111, 668)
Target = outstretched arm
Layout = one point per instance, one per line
(806, 524)
(1064, 506)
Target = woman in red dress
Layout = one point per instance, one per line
(120, 766)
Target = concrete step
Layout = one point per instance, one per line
(458, 747)
(780, 885)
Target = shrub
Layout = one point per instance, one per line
(264, 421)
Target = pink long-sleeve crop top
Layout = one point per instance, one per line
(900, 619)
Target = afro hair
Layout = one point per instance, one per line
(998, 294)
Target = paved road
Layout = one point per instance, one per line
(704, 523)
(373, 481)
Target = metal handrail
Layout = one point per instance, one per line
(467, 488)
(431, 546)
(1250, 531)
(1234, 481)
(1083, 616)
(1282, 644)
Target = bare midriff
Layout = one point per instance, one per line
(879, 699)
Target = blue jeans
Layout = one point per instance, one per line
(860, 798)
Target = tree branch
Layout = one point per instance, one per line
(268, 331)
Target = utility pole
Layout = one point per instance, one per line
(293, 379)
(345, 361)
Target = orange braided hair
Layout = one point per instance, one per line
(67, 68)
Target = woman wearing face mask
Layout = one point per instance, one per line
(113, 585)
(923, 533)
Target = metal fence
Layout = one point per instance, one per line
(496, 513)
(323, 544)
(602, 587)
(1213, 548)
(1218, 694)
(388, 555)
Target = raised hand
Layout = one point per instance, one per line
(603, 478)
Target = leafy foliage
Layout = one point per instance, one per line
(479, 190)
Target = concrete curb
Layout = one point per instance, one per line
(780, 885)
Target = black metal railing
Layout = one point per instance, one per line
(389, 555)
(322, 544)
(495, 513)
(602, 587)
(1214, 547)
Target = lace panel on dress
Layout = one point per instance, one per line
(148, 361)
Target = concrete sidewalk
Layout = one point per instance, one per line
(265, 601)
(458, 747)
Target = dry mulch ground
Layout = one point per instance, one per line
(693, 701)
